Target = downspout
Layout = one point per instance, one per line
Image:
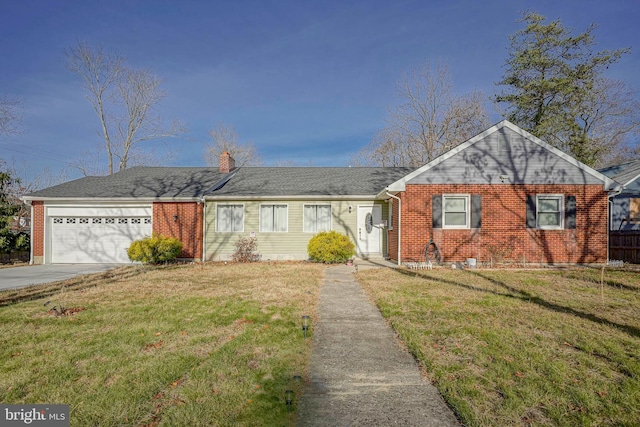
(399, 225)
(204, 229)
(611, 195)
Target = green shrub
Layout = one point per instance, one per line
(23, 242)
(330, 247)
(155, 249)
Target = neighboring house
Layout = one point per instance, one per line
(503, 193)
(625, 212)
(624, 235)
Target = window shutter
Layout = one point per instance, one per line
(570, 212)
(436, 210)
(531, 211)
(476, 211)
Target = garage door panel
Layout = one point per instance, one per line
(100, 211)
(96, 239)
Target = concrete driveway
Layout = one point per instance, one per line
(18, 277)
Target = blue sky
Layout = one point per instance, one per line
(307, 82)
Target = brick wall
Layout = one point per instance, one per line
(392, 234)
(182, 220)
(503, 235)
(37, 239)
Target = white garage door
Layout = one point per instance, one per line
(96, 238)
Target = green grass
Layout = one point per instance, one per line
(219, 344)
(178, 346)
(530, 348)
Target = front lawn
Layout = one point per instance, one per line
(219, 344)
(189, 345)
(522, 348)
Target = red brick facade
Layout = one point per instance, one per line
(37, 238)
(503, 234)
(182, 220)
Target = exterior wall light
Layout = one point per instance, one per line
(350, 208)
(175, 218)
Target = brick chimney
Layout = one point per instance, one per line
(227, 163)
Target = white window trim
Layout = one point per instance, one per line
(273, 204)
(317, 204)
(230, 204)
(560, 197)
(467, 225)
(390, 214)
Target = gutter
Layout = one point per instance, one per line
(399, 226)
(297, 197)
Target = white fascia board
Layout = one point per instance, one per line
(108, 200)
(305, 197)
(630, 181)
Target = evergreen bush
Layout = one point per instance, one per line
(155, 249)
(330, 247)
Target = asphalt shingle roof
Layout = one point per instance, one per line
(321, 181)
(138, 182)
(193, 182)
(624, 172)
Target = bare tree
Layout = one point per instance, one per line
(124, 100)
(429, 120)
(10, 116)
(225, 138)
(609, 122)
(26, 182)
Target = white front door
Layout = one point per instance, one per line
(369, 230)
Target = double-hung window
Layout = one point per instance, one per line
(549, 211)
(230, 218)
(316, 218)
(455, 212)
(273, 218)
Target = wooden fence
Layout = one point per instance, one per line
(625, 246)
(22, 256)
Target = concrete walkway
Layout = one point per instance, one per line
(359, 375)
